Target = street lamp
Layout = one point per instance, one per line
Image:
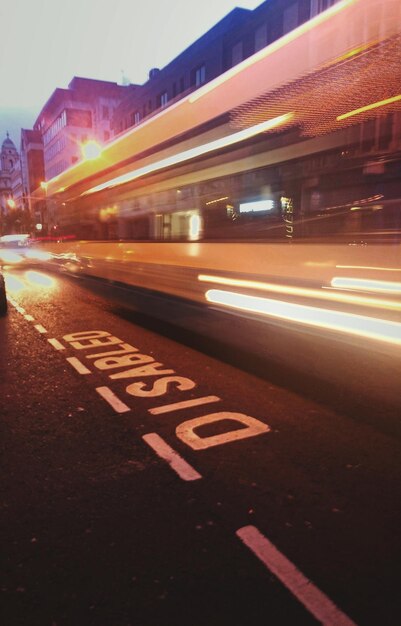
(91, 150)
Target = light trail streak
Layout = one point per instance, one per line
(369, 107)
(187, 155)
(302, 291)
(349, 323)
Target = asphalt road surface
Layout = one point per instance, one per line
(146, 480)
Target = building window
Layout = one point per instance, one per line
(290, 18)
(237, 53)
(56, 147)
(198, 76)
(182, 84)
(385, 131)
(174, 90)
(105, 113)
(261, 37)
(55, 127)
(317, 6)
(78, 117)
(162, 99)
(137, 117)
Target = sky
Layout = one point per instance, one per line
(44, 43)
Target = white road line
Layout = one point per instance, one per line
(20, 309)
(321, 607)
(56, 344)
(176, 462)
(77, 365)
(29, 318)
(41, 329)
(112, 399)
(176, 406)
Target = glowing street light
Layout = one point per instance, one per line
(11, 203)
(91, 150)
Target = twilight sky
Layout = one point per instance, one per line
(44, 43)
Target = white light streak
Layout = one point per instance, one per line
(187, 155)
(367, 267)
(358, 325)
(303, 292)
(377, 286)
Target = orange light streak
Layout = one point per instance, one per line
(369, 107)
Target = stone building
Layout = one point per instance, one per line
(8, 158)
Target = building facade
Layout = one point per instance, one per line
(237, 36)
(199, 63)
(32, 164)
(72, 117)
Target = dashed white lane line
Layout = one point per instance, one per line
(176, 462)
(176, 406)
(29, 318)
(20, 309)
(321, 607)
(112, 399)
(56, 344)
(77, 365)
(41, 329)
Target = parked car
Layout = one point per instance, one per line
(3, 299)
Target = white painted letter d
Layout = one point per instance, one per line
(185, 431)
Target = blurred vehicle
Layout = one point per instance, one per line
(13, 248)
(263, 209)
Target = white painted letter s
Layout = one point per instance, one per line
(160, 386)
